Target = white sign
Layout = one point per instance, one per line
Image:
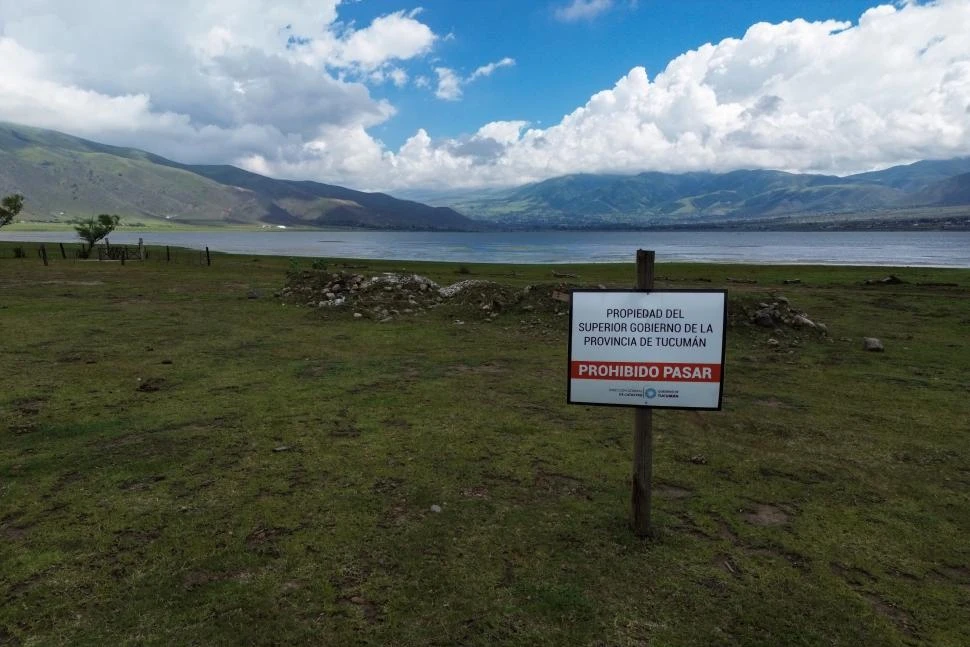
(661, 348)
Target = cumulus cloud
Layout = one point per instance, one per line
(582, 9)
(218, 84)
(450, 83)
(201, 81)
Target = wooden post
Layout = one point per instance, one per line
(642, 427)
(168, 255)
(208, 261)
(63, 253)
(43, 254)
(124, 254)
(141, 249)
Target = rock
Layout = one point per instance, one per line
(698, 459)
(872, 344)
(436, 508)
(252, 294)
(358, 315)
(801, 321)
(782, 300)
(281, 448)
(892, 279)
(150, 385)
(792, 281)
(386, 320)
(773, 342)
(764, 319)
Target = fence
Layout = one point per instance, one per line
(105, 252)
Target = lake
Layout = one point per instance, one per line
(923, 248)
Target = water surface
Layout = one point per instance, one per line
(924, 248)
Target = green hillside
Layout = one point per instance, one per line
(67, 177)
(664, 199)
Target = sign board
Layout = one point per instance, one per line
(662, 348)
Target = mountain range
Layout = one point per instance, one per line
(926, 189)
(65, 177)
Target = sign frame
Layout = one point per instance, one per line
(569, 354)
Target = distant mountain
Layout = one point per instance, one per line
(950, 192)
(65, 177)
(664, 199)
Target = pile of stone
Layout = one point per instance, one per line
(388, 295)
(778, 313)
(378, 297)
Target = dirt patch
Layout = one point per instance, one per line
(130, 538)
(475, 492)
(959, 575)
(725, 531)
(136, 485)
(368, 609)
(897, 615)
(765, 514)
(559, 484)
(30, 406)
(727, 564)
(263, 541)
(386, 485)
(150, 384)
(195, 579)
(14, 533)
(808, 477)
(665, 491)
(21, 428)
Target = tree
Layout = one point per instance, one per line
(94, 229)
(10, 207)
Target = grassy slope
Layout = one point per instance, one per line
(60, 173)
(166, 517)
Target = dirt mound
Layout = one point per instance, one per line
(771, 314)
(385, 296)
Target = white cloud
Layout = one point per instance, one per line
(450, 83)
(171, 77)
(215, 82)
(582, 9)
(398, 76)
(486, 70)
(397, 36)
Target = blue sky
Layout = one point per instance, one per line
(560, 64)
(451, 94)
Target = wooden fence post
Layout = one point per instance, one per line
(643, 426)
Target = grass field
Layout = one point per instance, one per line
(181, 464)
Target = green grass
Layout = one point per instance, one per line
(274, 484)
